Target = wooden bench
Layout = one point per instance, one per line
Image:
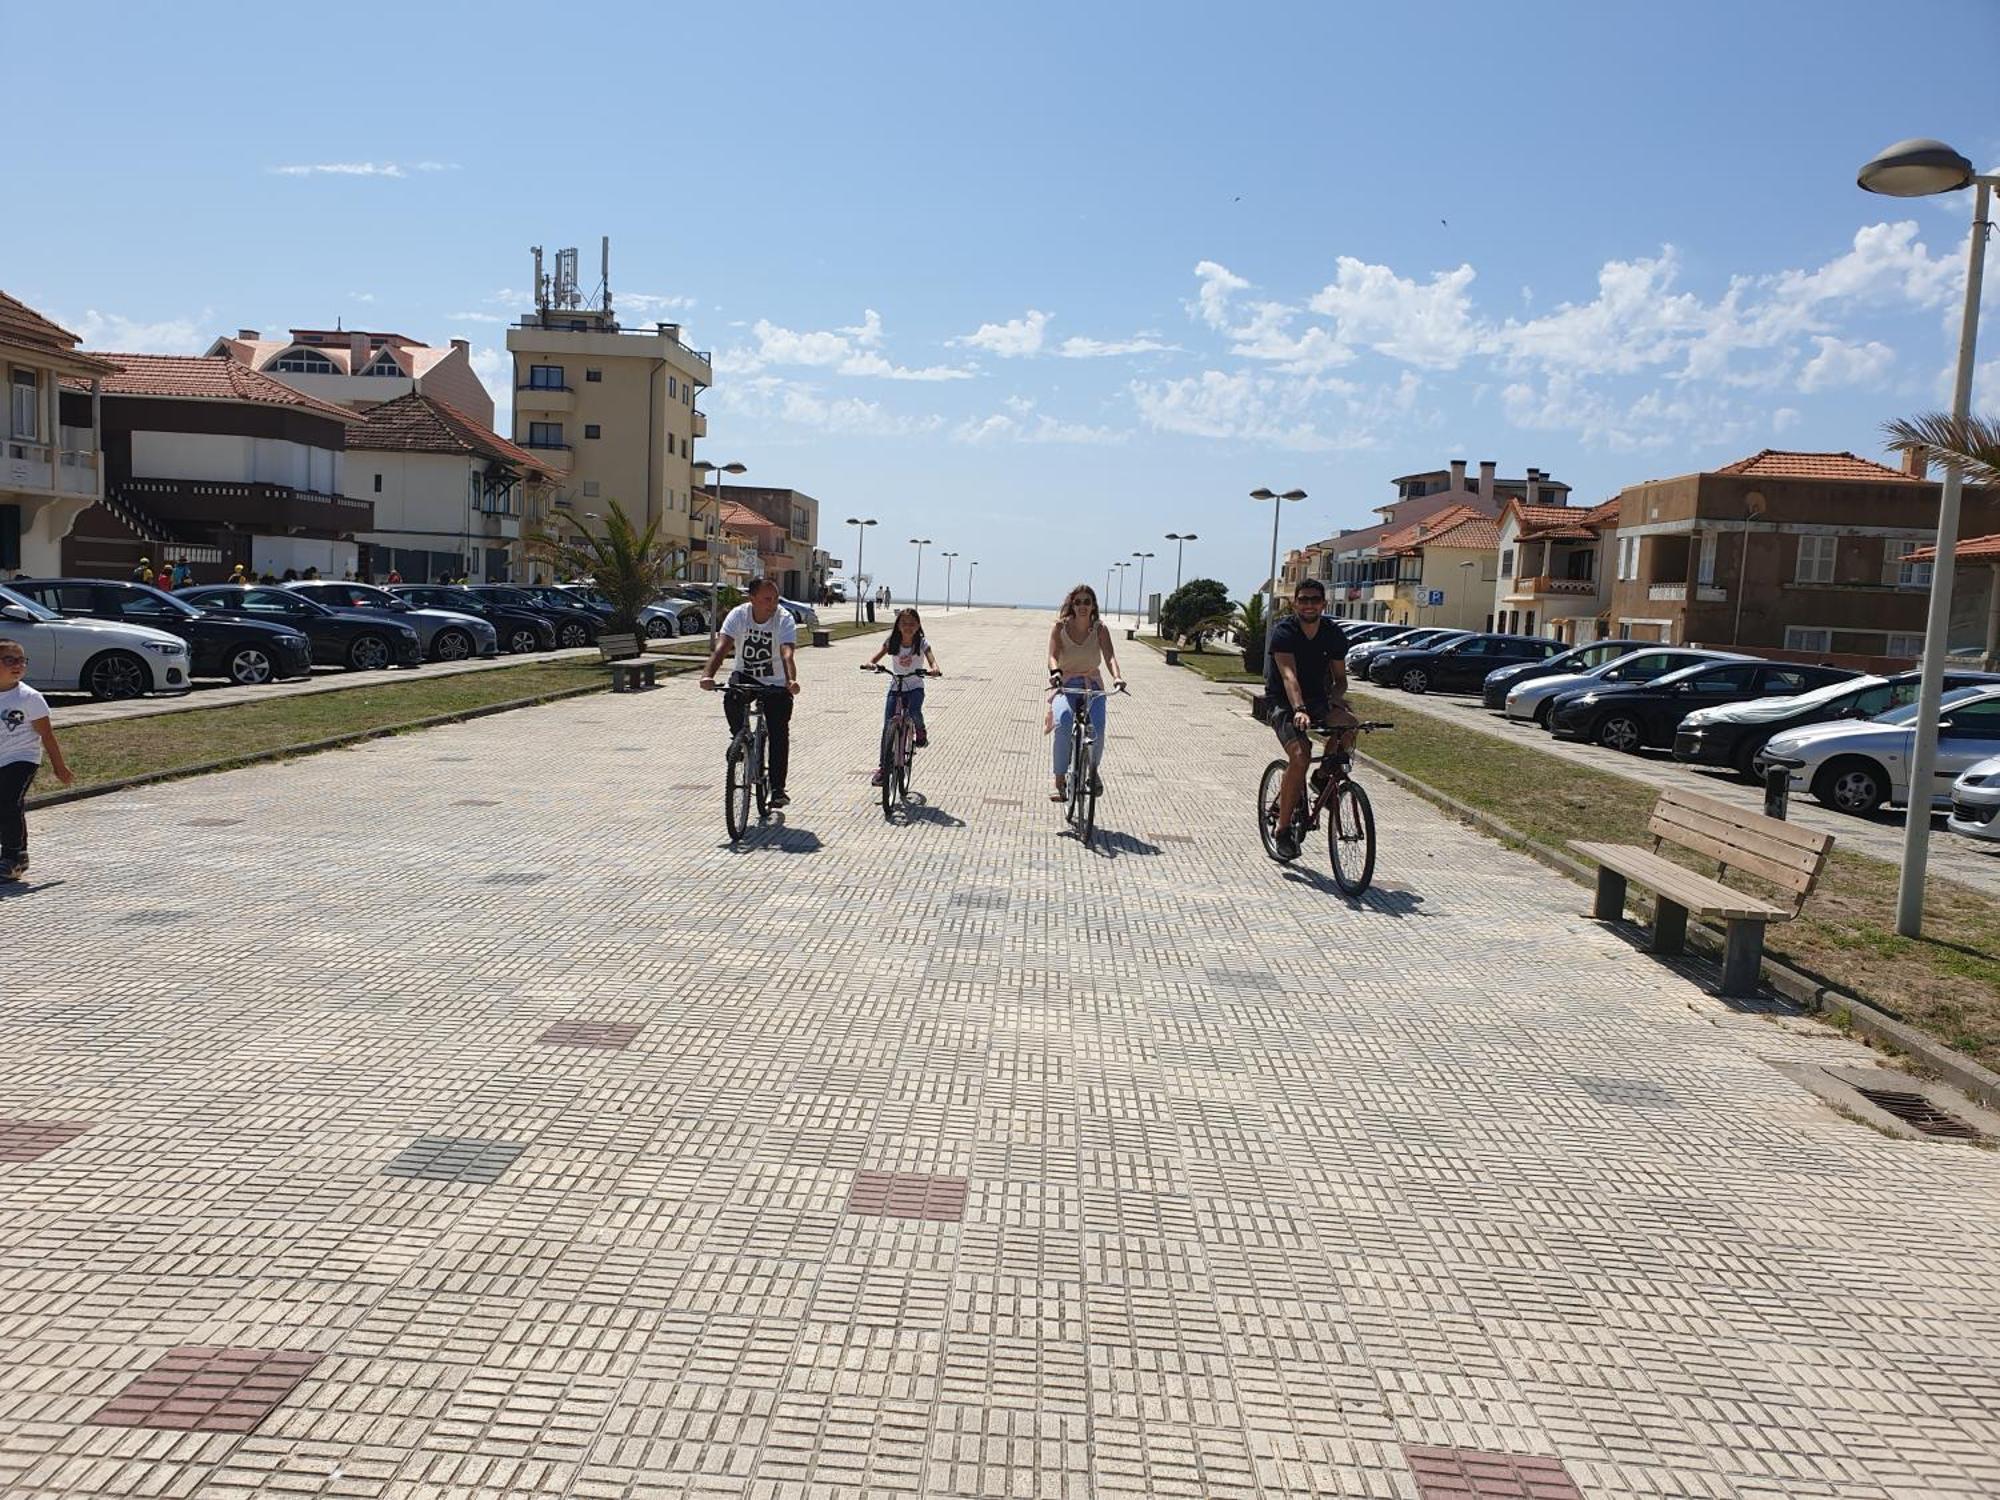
(1782, 854)
(630, 670)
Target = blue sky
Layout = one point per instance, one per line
(1045, 282)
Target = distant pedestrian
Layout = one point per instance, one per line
(237, 575)
(183, 574)
(144, 572)
(267, 577)
(394, 576)
(25, 732)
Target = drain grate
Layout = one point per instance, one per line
(1919, 1113)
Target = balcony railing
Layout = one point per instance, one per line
(217, 503)
(1542, 583)
(1671, 593)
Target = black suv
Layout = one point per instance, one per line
(340, 637)
(246, 652)
(1632, 716)
(1502, 680)
(1458, 666)
(575, 625)
(519, 629)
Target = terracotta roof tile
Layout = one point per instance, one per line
(1778, 463)
(1602, 515)
(417, 423)
(1465, 526)
(1982, 548)
(202, 377)
(24, 328)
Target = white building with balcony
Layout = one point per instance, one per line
(357, 369)
(1550, 580)
(51, 443)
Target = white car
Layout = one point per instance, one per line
(1855, 768)
(1534, 698)
(1975, 801)
(99, 657)
(667, 617)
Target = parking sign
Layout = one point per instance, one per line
(1434, 598)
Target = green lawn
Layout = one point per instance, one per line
(1947, 983)
(1216, 666)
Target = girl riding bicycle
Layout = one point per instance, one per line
(1079, 647)
(909, 654)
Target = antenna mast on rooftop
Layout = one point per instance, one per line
(606, 280)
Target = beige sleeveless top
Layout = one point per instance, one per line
(1080, 658)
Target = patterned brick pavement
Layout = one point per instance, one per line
(468, 1120)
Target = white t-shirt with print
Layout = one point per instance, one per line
(757, 646)
(20, 706)
(906, 661)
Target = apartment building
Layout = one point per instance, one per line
(613, 408)
(357, 369)
(1787, 553)
(51, 439)
(1549, 579)
(1437, 571)
(789, 543)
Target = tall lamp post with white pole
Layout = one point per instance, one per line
(1271, 583)
(1139, 604)
(860, 541)
(1121, 567)
(947, 556)
(1180, 539)
(1917, 169)
(917, 593)
(969, 566)
(714, 537)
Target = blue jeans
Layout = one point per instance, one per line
(1065, 716)
(913, 703)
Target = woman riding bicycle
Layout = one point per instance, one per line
(1079, 648)
(909, 655)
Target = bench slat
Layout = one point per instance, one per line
(1795, 873)
(1668, 821)
(1765, 835)
(1678, 884)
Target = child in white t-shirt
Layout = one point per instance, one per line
(909, 655)
(25, 732)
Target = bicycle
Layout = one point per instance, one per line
(1350, 827)
(899, 741)
(747, 768)
(1082, 787)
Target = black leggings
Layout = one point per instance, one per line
(15, 779)
(777, 724)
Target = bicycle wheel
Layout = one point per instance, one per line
(885, 766)
(736, 789)
(1086, 780)
(1350, 838)
(1077, 783)
(760, 774)
(1267, 807)
(906, 757)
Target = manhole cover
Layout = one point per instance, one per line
(1919, 1113)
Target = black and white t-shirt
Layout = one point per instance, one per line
(757, 646)
(20, 706)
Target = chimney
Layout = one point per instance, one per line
(248, 333)
(1915, 466)
(1534, 495)
(1486, 469)
(357, 351)
(462, 346)
(1457, 474)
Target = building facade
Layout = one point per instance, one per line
(210, 462)
(793, 543)
(357, 370)
(1550, 581)
(1437, 571)
(51, 439)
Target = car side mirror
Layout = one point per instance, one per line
(16, 612)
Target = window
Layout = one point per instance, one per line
(27, 410)
(1724, 680)
(673, 389)
(1779, 681)
(545, 377)
(1979, 721)
(1808, 638)
(1902, 643)
(1704, 568)
(1881, 698)
(545, 435)
(590, 429)
(386, 365)
(1628, 557)
(1902, 574)
(1816, 560)
(592, 377)
(1507, 562)
(304, 362)
(590, 489)
(10, 536)
(378, 484)
(801, 522)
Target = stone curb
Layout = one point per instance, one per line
(1979, 1084)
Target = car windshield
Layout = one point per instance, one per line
(37, 611)
(1762, 710)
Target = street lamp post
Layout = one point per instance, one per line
(1180, 539)
(947, 556)
(1121, 567)
(1271, 583)
(860, 542)
(917, 593)
(713, 536)
(970, 565)
(1139, 603)
(1917, 169)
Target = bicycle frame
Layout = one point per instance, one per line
(1081, 809)
(901, 734)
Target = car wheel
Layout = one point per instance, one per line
(1744, 761)
(1542, 710)
(451, 645)
(521, 640)
(660, 628)
(1852, 786)
(251, 667)
(369, 653)
(1620, 732)
(1416, 680)
(116, 674)
(573, 633)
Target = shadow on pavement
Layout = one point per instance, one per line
(1386, 901)
(13, 890)
(776, 837)
(918, 810)
(1111, 845)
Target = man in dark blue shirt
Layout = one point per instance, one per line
(1305, 687)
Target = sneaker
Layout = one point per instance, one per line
(1096, 785)
(923, 738)
(779, 799)
(1286, 842)
(876, 779)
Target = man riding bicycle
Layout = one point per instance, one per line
(765, 639)
(1305, 687)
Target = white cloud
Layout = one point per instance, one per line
(361, 168)
(1218, 285)
(122, 335)
(1840, 363)
(1635, 321)
(1887, 263)
(845, 351)
(647, 303)
(1784, 419)
(475, 317)
(1021, 423)
(1077, 347)
(1427, 324)
(1245, 405)
(1014, 339)
(362, 296)
(772, 398)
(869, 332)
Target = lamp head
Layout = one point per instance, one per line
(1263, 494)
(1293, 495)
(1916, 169)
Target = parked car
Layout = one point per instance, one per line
(1633, 716)
(97, 657)
(575, 625)
(359, 640)
(447, 635)
(1503, 680)
(1732, 735)
(1533, 699)
(803, 614)
(1855, 768)
(1358, 657)
(668, 617)
(1458, 666)
(584, 595)
(694, 617)
(1975, 801)
(246, 652)
(520, 630)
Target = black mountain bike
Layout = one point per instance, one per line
(899, 742)
(747, 770)
(1081, 785)
(1350, 821)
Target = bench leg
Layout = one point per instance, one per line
(1742, 958)
(1610, 905)
(1670, 927)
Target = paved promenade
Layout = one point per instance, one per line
(458, 1117)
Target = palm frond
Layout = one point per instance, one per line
(1971, 448)
(626, 564)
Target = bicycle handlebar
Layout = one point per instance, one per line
(872, 666)
(1070, 692)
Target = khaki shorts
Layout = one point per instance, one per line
(1333, 717)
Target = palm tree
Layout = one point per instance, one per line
(1971, 448)
(1249, 624)
(628, 566)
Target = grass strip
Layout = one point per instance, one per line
(1216, 666)
(1946, 984)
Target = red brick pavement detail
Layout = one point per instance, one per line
(907, 1195)
(24, 1140)
(1471, 1474)
(208, 1388)
(614, 1035)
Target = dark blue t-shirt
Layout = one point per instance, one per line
(1311, 656)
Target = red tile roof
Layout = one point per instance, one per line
(1777, 463)
(1550, 522)
(201, 377)
(24, 328)
(744, 518)
(1972, 548)
(417, 423)
(1460, 526)
(1602, 515)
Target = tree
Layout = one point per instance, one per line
(1196, 609)
(628, 566)
(1250, 625)
(1971, 447)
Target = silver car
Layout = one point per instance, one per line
(446, 634)
(1975, 801)
(1855, 768)
(667, 617)
(1534, 698)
